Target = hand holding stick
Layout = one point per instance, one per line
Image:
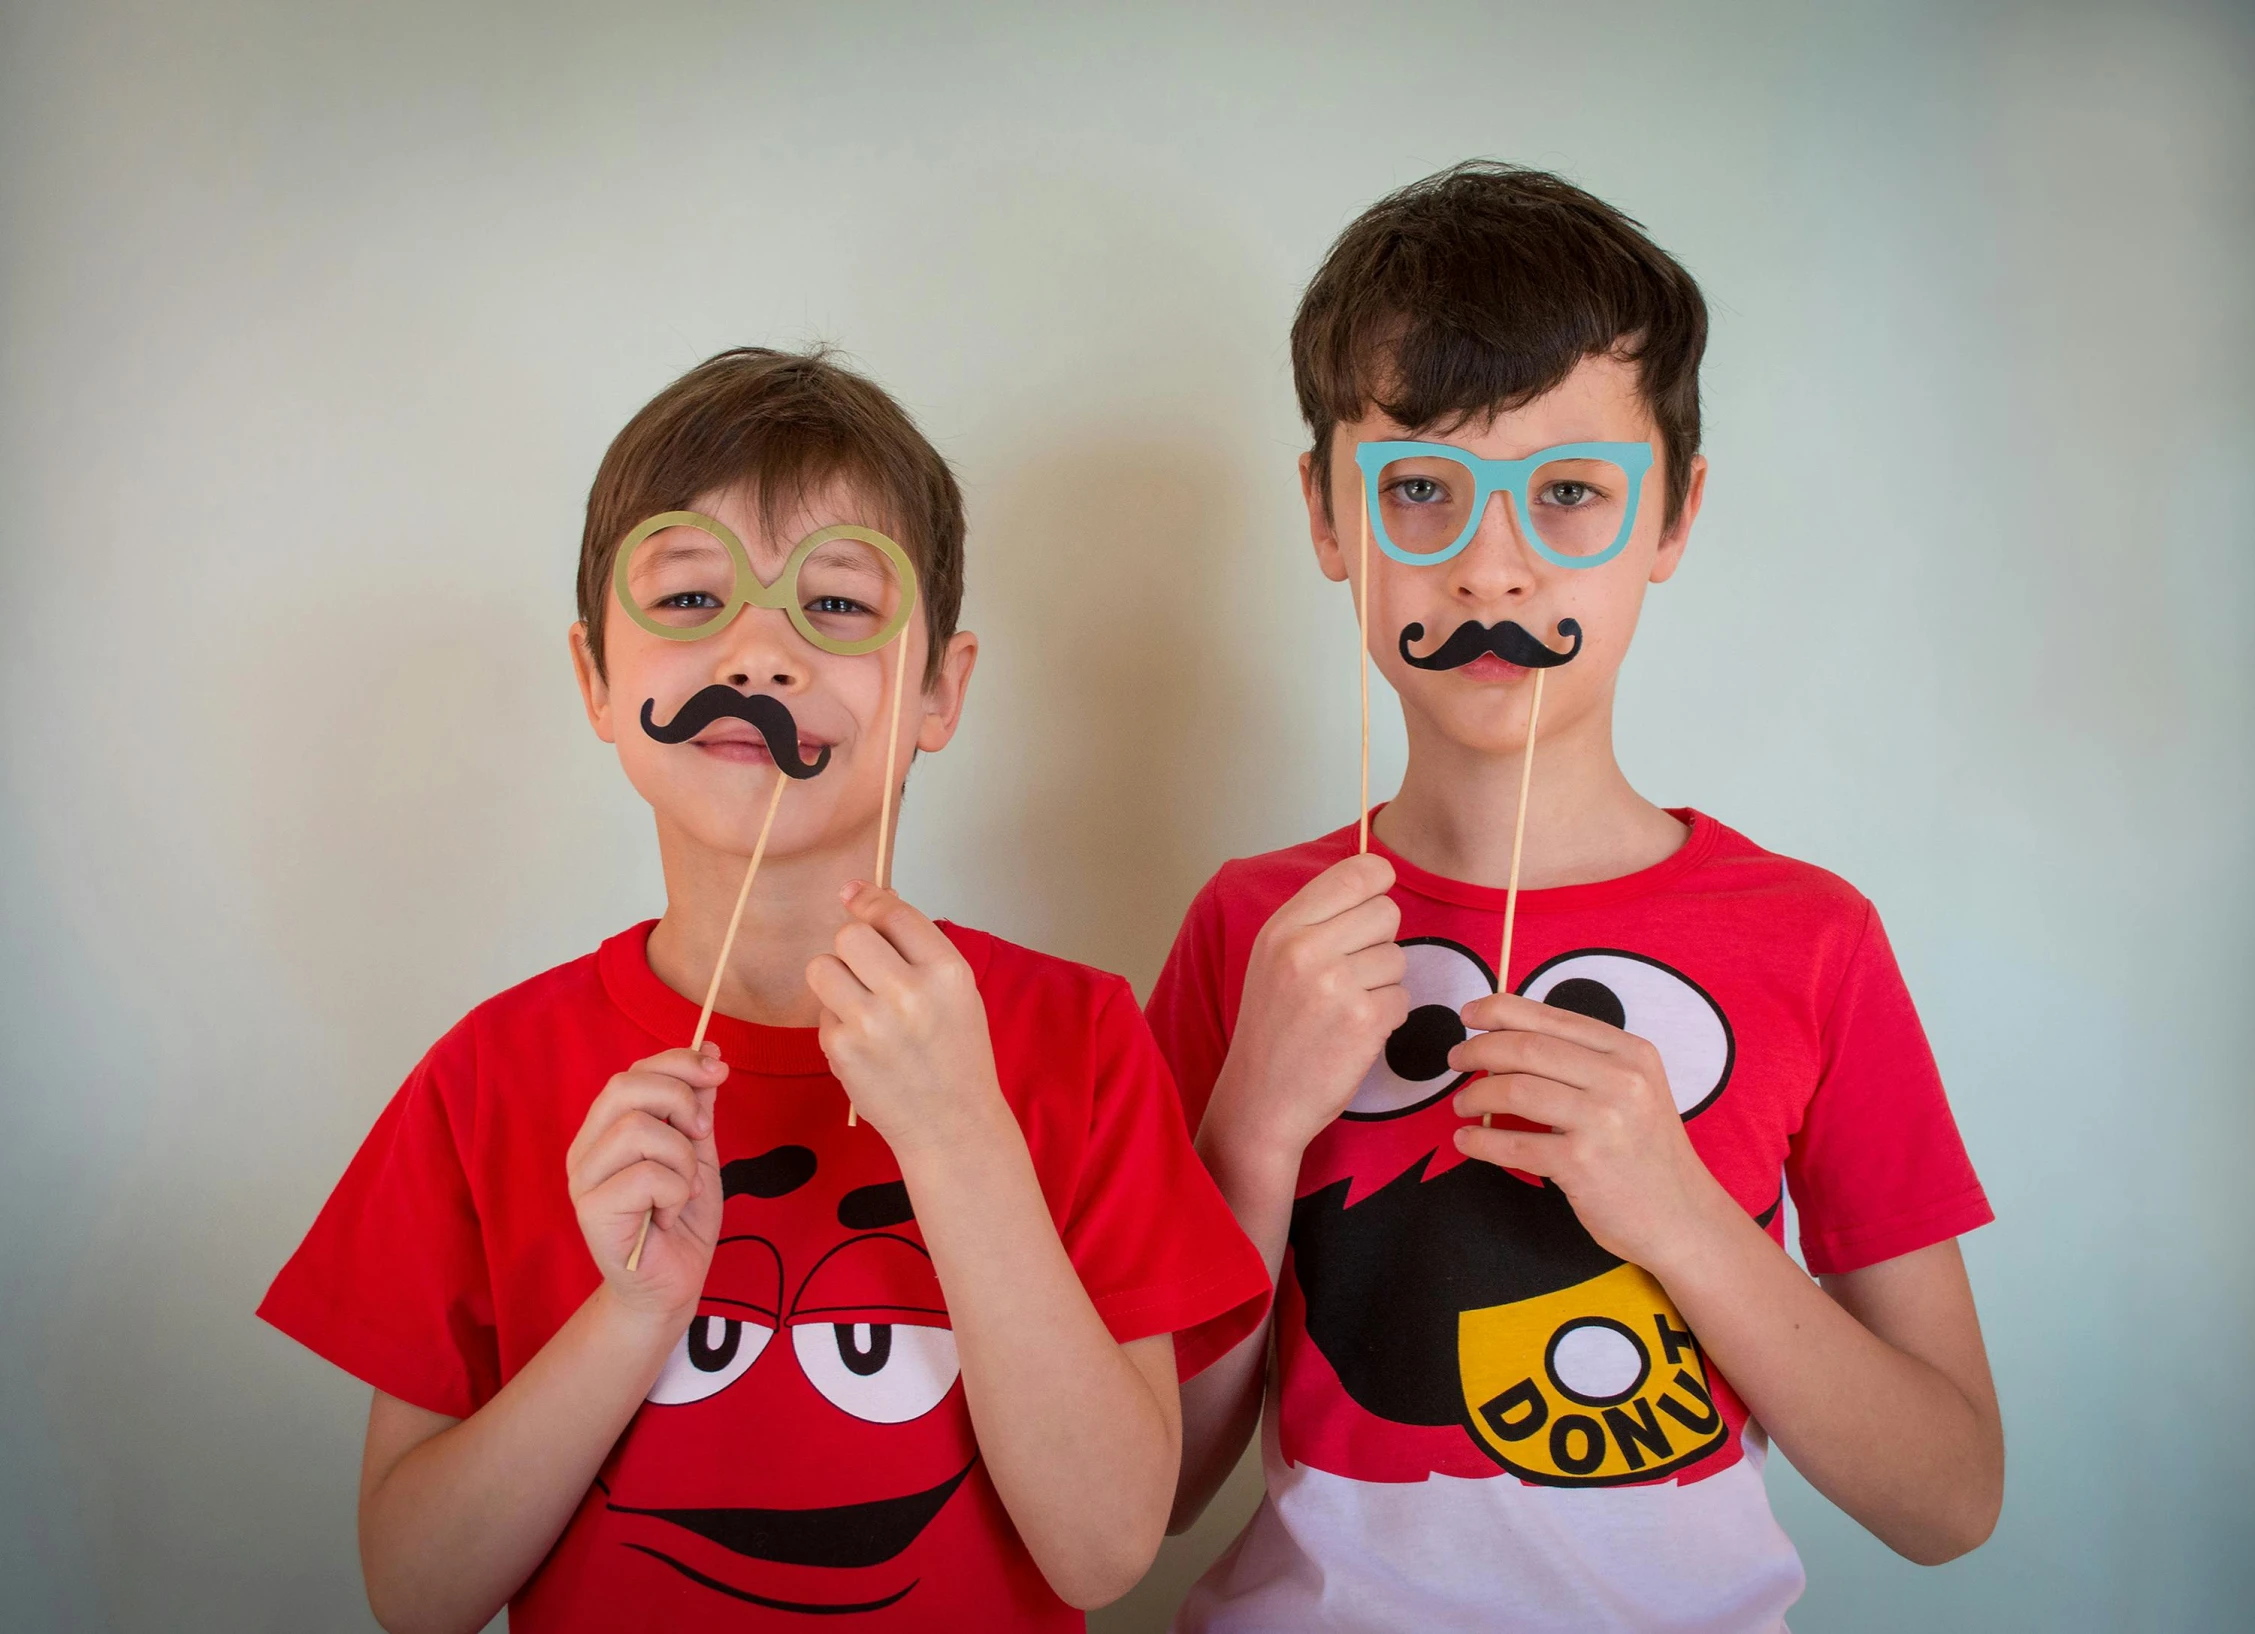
(720, 966)
(884, 877)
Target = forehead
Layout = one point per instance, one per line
(1598, 402)
(739, 504)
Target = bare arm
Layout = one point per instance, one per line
(1880, 1394)
(1221, 1407)
(1322, 991)
(1080, 1433)
(455, 1514)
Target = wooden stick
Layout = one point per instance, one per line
(1362, 677)
(892, 753)
(720, 966)
(1518, 844)
(885, 797)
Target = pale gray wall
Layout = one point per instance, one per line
(317, 318)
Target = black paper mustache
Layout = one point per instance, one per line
(769, 716)
(1507, 641)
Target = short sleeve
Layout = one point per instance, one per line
(1156, 1247)
(1185, 1011)
(391, 1283)
(1878, 1168)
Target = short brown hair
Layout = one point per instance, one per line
(1477, 290)
(788, 423)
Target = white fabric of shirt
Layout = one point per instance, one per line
(1329, 1555)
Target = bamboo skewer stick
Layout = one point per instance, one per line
(885, 797)
(720, 967)
(1518, 844)
(1362, 678)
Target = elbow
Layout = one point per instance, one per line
(1106, 1570)
(1960, 1535)
(1959, 1527)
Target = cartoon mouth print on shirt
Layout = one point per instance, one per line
(789, 1457)
(1450, 1297)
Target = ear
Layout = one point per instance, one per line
(943, 699)
(594, 690)
(1321, 531)
(1674, 541)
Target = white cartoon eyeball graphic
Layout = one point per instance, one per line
(882, 1372)
(711, 1356)
(1413, 1070)
(1664, 1007)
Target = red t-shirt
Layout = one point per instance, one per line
(834, 1472)
(1440, 1317)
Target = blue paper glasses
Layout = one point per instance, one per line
(1576, 503)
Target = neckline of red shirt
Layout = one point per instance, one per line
(1697, 846)
(623, 962)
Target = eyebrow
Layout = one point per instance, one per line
(775, 1173)
(871, 1208)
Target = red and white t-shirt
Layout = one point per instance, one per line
(807, 1450)
(1481, 1419)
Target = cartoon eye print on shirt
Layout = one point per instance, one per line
(1413, 1070)
(862, 1350)
(1661, 1005)
(883, 1372)
(712, 1355)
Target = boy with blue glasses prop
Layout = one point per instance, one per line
(1575, 505)
(1579, 1315)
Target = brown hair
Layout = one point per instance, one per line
(789, 424)
(1477, 290)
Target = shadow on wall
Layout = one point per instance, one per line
(1113, 580)
(1104, 576)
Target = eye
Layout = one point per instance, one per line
(1664, 1007)
(842, 606)
(1568, 494)
(711, 1356)
(1413, 1070)
(882, 1372)
(1418, 491)
(688, 599)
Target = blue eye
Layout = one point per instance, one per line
(1568, 495)
(840, 605)
(1419, 491)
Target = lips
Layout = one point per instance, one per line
(732, 735)
(862, 1534)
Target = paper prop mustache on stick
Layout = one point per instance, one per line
(846, 589)
(769, 716)
(1506, 640)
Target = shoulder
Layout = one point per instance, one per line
(532, 1009)
(1252, 888)
(1008, 971)
(1732, 864)
(523, 1037)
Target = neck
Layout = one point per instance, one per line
(792, 916)
(1457, 807)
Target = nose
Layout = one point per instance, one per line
(761, 652)
(1495, 568)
